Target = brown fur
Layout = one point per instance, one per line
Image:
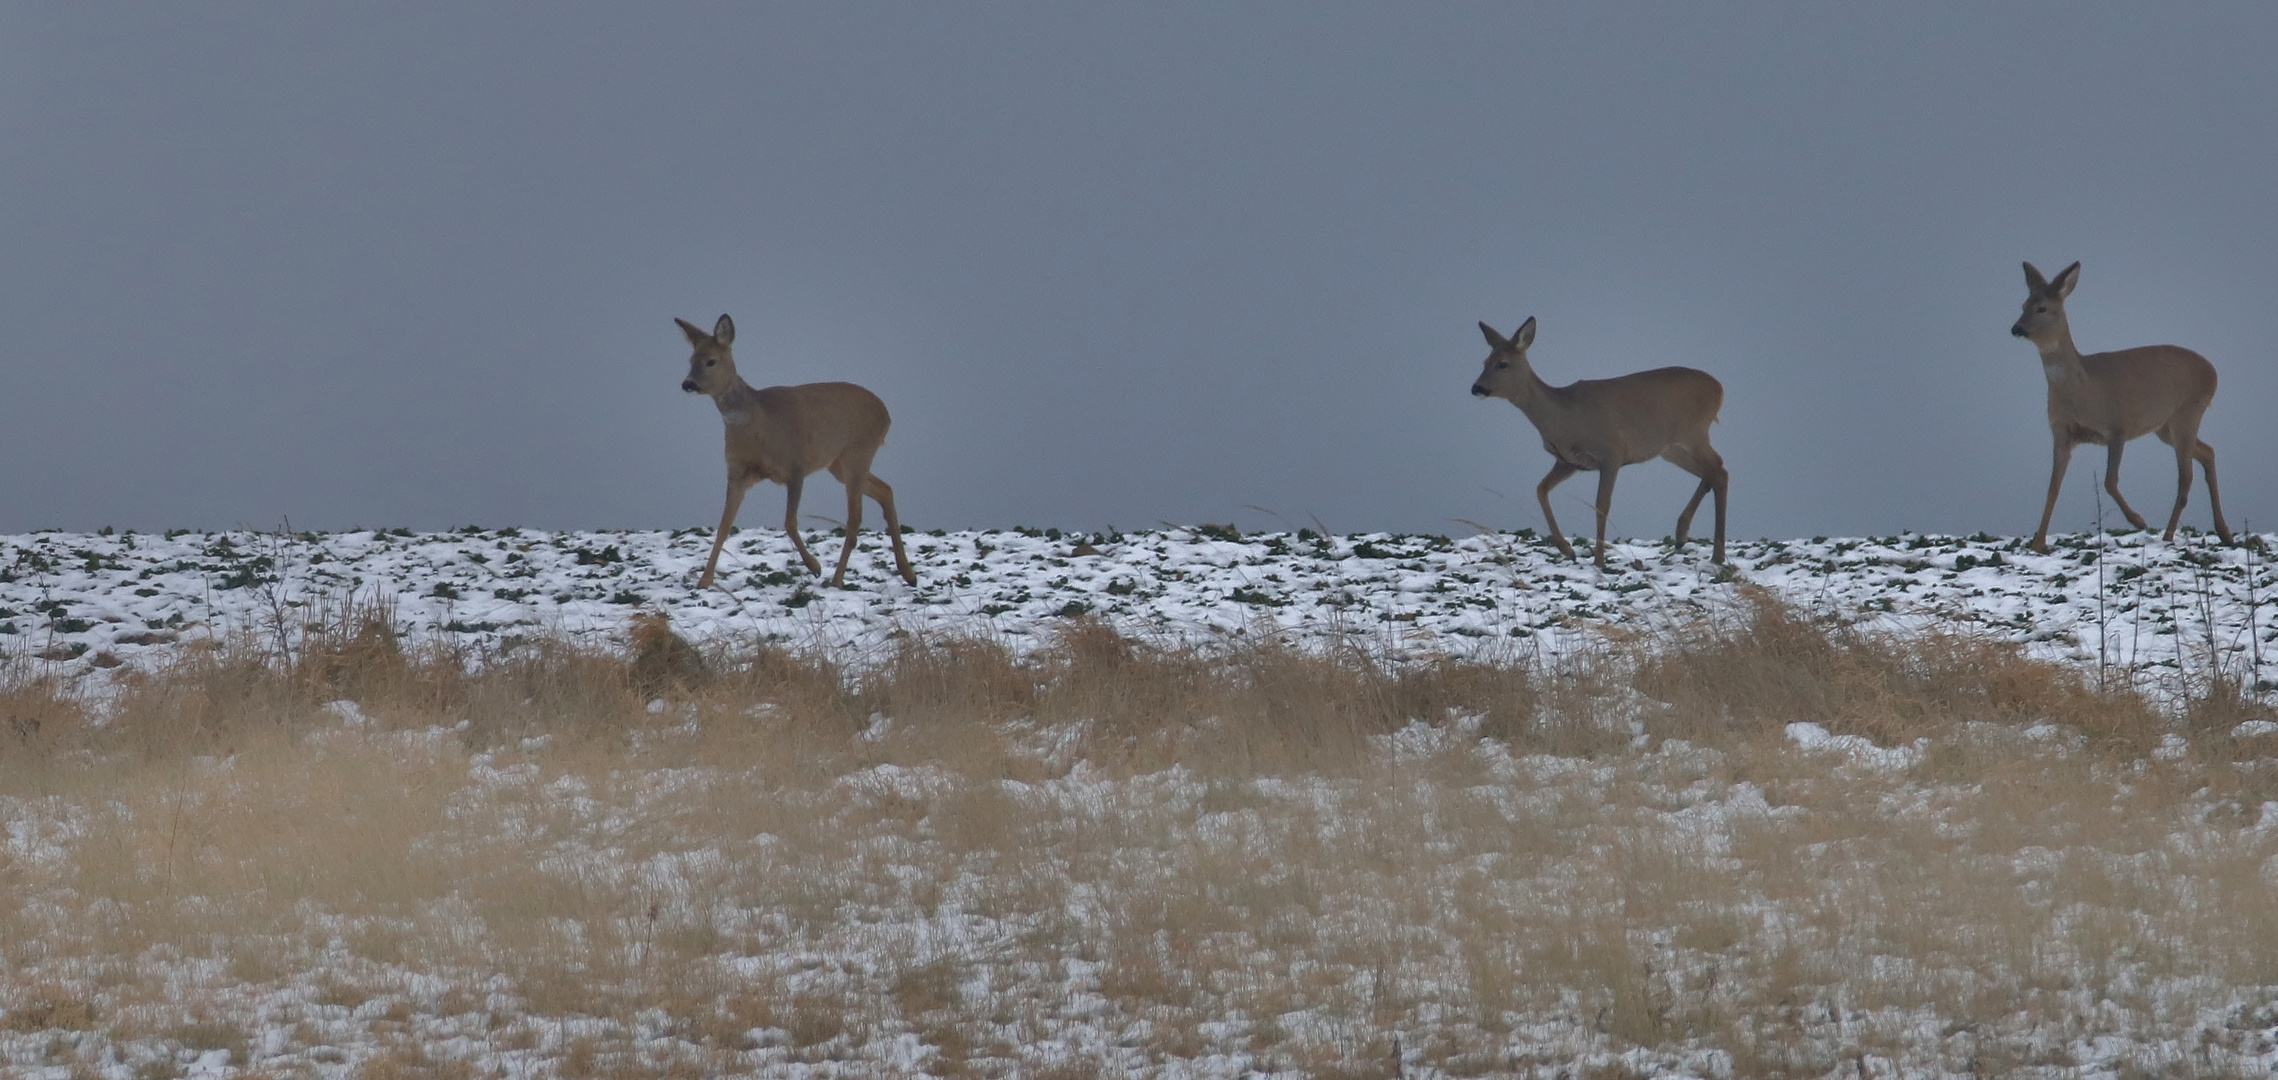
(2106, 399)
(1600, 425)
(784, 433)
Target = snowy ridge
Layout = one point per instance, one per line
(2131, 602)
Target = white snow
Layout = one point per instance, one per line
(2164, 616)
(1858, 749)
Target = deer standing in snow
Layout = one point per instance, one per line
(783, 433)
(1600, 425)
(2108, 398)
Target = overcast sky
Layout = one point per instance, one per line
(1109, 265)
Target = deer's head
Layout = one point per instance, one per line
(1506, 371)
(712, 367)
(2043, 317)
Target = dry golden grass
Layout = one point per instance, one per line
(1768, 665)
(681, 862)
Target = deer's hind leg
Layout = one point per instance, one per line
(854, 471)
(1606, 474)
(2183, 435)
(856, 477)
(883, 492)
(1707, 464)
(2112, 483)
(2206, 456)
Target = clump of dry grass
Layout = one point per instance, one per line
(1751, 672)
(48, 1008)
(1262, 708)
(1259, 708)
(661, 659)
(41, 722)
(673, 861)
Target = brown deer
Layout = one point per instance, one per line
(783, 433)
(2108, 398)
(1601, 425)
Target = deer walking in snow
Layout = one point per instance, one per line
(783, 433)
(1600, 425)
(2109, 398)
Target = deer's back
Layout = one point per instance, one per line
(796, 430)
(1630, 418)
(1670, 397)
(2145, 386)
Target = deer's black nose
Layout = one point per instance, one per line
(688, 385)
(2017, 330)
(1478, 390)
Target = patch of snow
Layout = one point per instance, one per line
(1860, 750)
(2130, 607)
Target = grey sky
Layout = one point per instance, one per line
(1109, 265)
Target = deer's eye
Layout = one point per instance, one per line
(709, 363)
(1501, 364)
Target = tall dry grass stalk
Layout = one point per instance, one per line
(679, 861)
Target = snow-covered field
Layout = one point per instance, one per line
(2129, 605)
(739, 881)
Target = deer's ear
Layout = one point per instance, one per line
(725, 330)
(1495, 341)
(2066, 280)
(2033, 278)
(1525, 336)
(695, 335)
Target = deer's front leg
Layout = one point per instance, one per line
(2056, 483)
(791, 523)
(1558, 475)
(727, 521)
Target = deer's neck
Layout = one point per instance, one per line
(1538, 399)
(2060, 358)
(738, 404)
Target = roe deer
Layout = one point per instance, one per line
(2108, 398)
(1603, 424)
(783, 433)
